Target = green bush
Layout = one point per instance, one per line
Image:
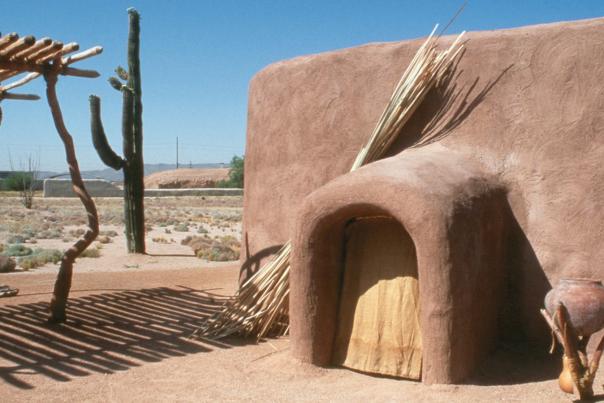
(235, 174)
(16, 239)
(17, 250)
(18, 181)
(181, 228)
(40, 257)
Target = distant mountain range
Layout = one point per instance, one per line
(117, 176)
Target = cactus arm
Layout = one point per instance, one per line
(99, 139)
(121, 73)
(115, 83)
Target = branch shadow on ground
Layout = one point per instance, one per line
(105, 333)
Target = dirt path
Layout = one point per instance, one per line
(128, 340)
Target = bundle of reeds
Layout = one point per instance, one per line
(260, 307)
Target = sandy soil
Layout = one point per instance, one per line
(131, 318)
(127, 339)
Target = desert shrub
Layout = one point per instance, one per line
(228, 217)
(40, 257)
(1, 247)
(17, 250)
(218, 253)
(29, 232)
(219, 249)
(230, 241)
(29, 263)
(92, 253)
(16, 239)
(235, 174)
(202, 230)
(181, 228)
(160, 239)
(18, 181)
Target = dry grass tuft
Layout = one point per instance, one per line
(221, 249)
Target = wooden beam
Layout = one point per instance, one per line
(70, 47)
(22, 81)
(17, 46)
(53, 47)
(21, 97)
(40, 43)
(70, 71)
(10, 73)
(82, 55)
(66, 71)
(6, 40)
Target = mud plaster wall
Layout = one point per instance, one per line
(527, 104)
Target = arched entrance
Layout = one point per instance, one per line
(378, 329)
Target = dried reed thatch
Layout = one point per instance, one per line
(260, 307)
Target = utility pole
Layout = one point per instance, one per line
(176, 152)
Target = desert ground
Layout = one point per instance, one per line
(132, 318)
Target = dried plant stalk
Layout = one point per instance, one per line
(260, 307)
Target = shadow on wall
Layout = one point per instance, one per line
(521, 354)
(526, 287)
(443, 110)
(253, 263)
(105, 333)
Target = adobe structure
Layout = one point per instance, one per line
(503, 204)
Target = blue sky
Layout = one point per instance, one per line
(198, 57)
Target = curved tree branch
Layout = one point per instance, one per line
(63, 283)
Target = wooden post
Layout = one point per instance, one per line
(62, 286)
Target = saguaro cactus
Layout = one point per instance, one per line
(132, 133)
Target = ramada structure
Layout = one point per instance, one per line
(418, 264)
(50, 59)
